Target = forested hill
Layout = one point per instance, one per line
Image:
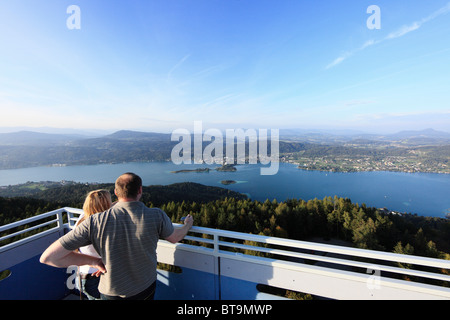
(329, 218)
(71, 194)
(23, 201)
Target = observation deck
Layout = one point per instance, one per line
(214, 264)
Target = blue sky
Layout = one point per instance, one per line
(161, 65)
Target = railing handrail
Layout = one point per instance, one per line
(31, 219)
(298, 244)
(439, 263)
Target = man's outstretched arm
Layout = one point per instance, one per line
(179, 233)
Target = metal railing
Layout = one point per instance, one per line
(58, 221)
(285, 249)
(326, 263)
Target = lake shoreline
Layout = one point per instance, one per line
(420, 193)
(298, 165)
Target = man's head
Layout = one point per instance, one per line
(128, 187)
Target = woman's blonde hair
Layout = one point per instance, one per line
(96, 201)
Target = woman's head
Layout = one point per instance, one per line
(97, 201)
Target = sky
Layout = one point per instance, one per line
(161, 65)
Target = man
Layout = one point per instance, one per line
(126, 237)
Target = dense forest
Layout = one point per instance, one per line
(328, 218)
(27, 200)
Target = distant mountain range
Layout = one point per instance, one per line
(28, 149)
(420, 137)
(31, 138)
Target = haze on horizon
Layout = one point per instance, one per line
(156, 66)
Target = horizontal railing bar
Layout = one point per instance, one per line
(203, 240)
(364, 253)
(33, 237)
(31, 219)
(298, 244)
(28, 229)
(295, 254)
(351, 263)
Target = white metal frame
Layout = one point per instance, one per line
(328, 281)
(325, 277)
(60, 226)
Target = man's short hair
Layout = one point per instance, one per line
(128, 185)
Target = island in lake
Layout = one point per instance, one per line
(227, 182)
(227, 167)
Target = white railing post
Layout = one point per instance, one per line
(217, 265)
(60, 222)
(216, 245)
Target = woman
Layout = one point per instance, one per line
(96, 201)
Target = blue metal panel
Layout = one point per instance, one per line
(188, 285)
(31, 280)
(235, 289)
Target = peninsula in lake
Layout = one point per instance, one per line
(225, 167)
(191, 170)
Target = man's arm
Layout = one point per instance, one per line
(57, 256)
(179, 233)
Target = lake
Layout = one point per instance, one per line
(426, 194)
